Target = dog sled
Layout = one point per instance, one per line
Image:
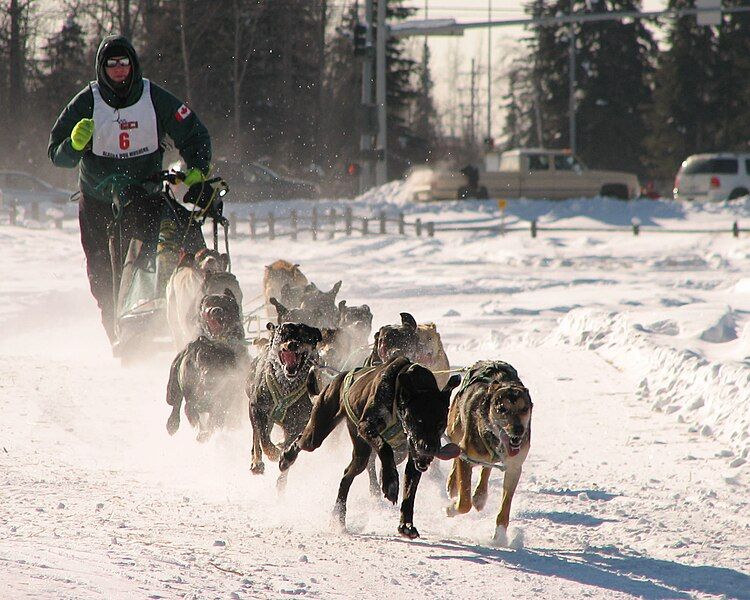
(146, 239)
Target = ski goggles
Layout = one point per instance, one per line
(123, 61)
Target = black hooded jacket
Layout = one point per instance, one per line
(189, 135)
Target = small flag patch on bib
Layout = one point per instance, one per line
(182, 113)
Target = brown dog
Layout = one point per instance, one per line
(395, 409)
(431, 354)
(278, 274)
(490, 420)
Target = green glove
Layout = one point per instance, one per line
(194, 175)
(81, 134)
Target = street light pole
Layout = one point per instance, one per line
(572, 88)
(381, 171)
(489, 72)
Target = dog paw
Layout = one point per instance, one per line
(479, 500)
(173, 424)
(450, 510)
(203, 437)
(390, 490)
(287, 459)
(257, 468)
(408, 530)
(500, 539)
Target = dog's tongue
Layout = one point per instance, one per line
(449, 452)
(288, 358)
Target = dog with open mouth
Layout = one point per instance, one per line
(208, 374)
(490, 420)
(395, 409)
(277, 389)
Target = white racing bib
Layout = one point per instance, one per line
(124, 132)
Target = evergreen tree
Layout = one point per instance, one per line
(66, 66)
(616, 61)
(731, 84)
(683, 120)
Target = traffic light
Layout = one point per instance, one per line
(352, 169)
(359, 39)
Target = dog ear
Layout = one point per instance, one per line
(335, 289)
(453, 383)
(408, 321)
(342, 305)
(312, 383)
(271, 327)
(327, 334)
(317, 335)
(280, 308)
(224, 261)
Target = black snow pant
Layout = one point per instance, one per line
(97, 223)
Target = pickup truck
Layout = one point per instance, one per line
(525, 173)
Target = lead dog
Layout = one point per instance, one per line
(209, 372)
(277, 390)
(395, 409)
(490, 420)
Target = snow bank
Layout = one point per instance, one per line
(712, 397)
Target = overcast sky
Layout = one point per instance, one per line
(451, 56)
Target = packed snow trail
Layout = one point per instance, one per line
(617, 500)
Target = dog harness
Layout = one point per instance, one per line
(393, 434)
(282, 402)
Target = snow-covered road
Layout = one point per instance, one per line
(617, 500)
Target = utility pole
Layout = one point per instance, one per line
(489, 74)
(572, 85)
(366, 140)
(472, 107)
(380, 92)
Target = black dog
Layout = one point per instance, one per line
(277, 388)
(396, 409)
(208, 373)
(395, 340)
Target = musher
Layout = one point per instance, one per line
(113, 127)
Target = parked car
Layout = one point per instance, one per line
(26, 188)
(249, 182)
(527, 173)
(719, 176)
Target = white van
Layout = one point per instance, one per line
(718, 176)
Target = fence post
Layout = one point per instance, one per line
(251, 218)
(314, 223)
(13, 212)
(365, 226)
(293, 223)
(636, 228)
(736, 229)
(382, 222)
(271, 226)
(348, 220)
(332, 221)
(35, 211)
(401, 223)
(233, 224)
(533, 228)
(430, 229)
(418, 227)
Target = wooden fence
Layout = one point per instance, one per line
(327, 224)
